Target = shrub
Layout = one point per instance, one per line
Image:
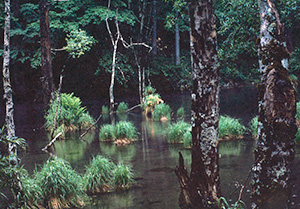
(107, 133)
(151, 100)
(122, 108)
(125, 130)
(160, 111)
(253, 125)
(180, 112)
(230, 127)
(177, 131)
(98, 175)
(71, 115)
(187, 139)
(122, 176)
(105, 110)
(61, 186)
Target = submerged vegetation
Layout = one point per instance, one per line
(230, 128)
(68, 114)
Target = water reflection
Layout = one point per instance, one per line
(118, 153)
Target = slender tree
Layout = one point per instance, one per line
(46, 62)
(277, 108)
(202, 188)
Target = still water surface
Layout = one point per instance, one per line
(152, 157)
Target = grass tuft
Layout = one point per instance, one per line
(230, 127)
(125, 130)
(105, 110)
(177, 132)
(180, 112)
(98, 175)
(188, 140)
(107, 133)
(253, 126)
(122, 108)
(123, 176)
(161, 111)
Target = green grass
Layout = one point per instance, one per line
(98, 174)
(122, 108)
(107, 133)
(60, 184)
(32, 192)
(160, 111)
(105, 110)
(187, 139)
(177, 132)
(230, 127)
(125, 130)
(253, 126)
(123, 176)
(71, 115)
(180, 112)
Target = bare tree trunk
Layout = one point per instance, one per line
(202, 188)
(177, 42)
(154, 29)
(46, 62)
(277, 108)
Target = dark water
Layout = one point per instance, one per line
(152, 157)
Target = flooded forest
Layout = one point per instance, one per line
(150, 104)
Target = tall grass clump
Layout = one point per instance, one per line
(32, 192)
(71, 115)
(230, 128)
(107, 133)
(123, 176)
(125, 130)
(253, 126)
(177, 132)
(61, 186)
(188, 140)
(98, 175)
(122, 108)
(180, 112)
(162, 112)
(105, 110)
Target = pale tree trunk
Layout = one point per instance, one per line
(202, 188)
(277, 108)
(177, 42)
(154, 29)
(112, 81)
(46, 62)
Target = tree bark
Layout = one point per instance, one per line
(46, 62)
(277, 108)
(204, 182)
(154, 29)
(177, 42)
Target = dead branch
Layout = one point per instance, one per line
(52, 141)
(82, 135)
(138, 105)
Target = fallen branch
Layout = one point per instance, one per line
(138, 105)
(52, 142)
(82, 135)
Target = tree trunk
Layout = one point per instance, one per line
(177, 42)
(202, 188)
(277, 108)
(46, 62)
(154, 29)
(112, 82)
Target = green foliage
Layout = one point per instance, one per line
(297, 137)
(180, 112)
(298, 111)
(230, 127)
(105, 110)
(187, 139)
(32, 192)
(149, 90)
(160, 111)
(178, 15)
(78, 41)
(253, 125)
(71, 115)
(60, 184)
(178, 132)
(107, 133)
(122, 108)
(223, 204)
(151, 99)
(125, 130)
(98, 174)
(123, 176)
